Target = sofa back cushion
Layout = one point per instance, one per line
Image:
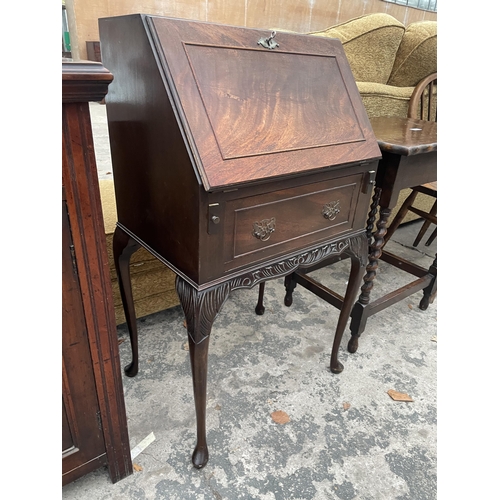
(370, 43)
(417, 55)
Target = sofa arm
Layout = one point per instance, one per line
(384, 100)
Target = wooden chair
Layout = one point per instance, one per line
(423, 106)
(423, 101)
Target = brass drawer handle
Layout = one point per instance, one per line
(263, 229)
(331, 210)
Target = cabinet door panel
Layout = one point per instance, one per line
(82, 438)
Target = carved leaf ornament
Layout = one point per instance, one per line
(201, 307)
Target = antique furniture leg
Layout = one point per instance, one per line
(357, 250)
(123, 248)
(359, 317)
(400, 216)
(202, 306)
(430, 291)
(290, 284)
(432, 237)
(200, 309)
(259, 308)
(358, 263)
(426, 225)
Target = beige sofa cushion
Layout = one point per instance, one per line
(374, 37)
(417, 55)
(384, 100)
(108, 203)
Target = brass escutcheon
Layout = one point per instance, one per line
(269, 43)
(263, 229)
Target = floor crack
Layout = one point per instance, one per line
(411, 247)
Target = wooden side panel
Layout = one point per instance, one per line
(87, 226)
(324, 13)
(258, 103)
(157, 191)
(299, 15)
(83, 441)
(292, 15)
(233, 12)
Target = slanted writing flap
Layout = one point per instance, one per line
(252, 113)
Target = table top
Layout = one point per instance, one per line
(405, 136)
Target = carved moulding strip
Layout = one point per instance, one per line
(201, 307)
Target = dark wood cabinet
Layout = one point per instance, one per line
(94, 424)
(238, 156)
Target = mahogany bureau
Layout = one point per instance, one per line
(238, 156)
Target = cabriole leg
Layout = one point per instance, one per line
(123, 248)
(431, 289)
(290, 285)
(259, 308)
(358, 261)
(200, 309)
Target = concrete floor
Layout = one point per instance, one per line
(345, 439)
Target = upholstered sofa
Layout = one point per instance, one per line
(387, 61)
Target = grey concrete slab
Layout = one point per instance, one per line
(346, 438)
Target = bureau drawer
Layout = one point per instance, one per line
(259, 227)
